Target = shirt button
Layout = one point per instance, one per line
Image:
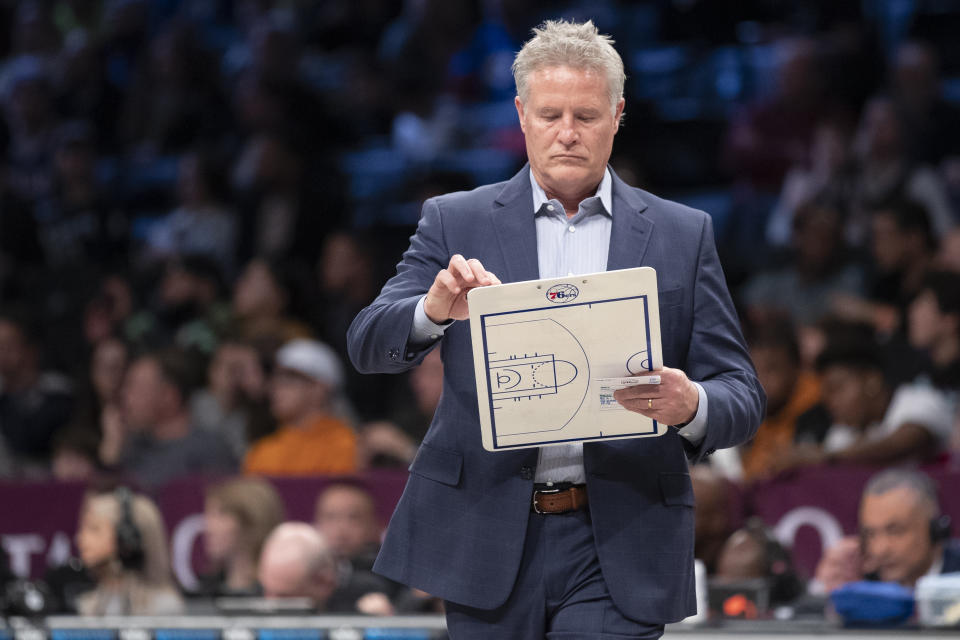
(550, 207)
(572, 229)
(434, 336)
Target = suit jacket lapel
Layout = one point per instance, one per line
(631, 231)
(513, 221)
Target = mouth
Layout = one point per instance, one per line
(569, 157)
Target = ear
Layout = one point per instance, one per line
(617, 114)
(519, 106)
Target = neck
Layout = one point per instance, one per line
(241, 572)
(172, 428)
(946, 352)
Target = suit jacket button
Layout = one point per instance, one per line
(526, 473)
(393, 354)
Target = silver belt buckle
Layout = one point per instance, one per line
(536, 509)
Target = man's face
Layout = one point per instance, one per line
(143, 394)
(849, 394)
(895, 529)
(347, 519)
(569, 127)
(777, 373)
(293, 397)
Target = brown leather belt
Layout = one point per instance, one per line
(561, 499)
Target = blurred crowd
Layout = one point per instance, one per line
(197, 197)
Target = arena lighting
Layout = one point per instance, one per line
(226, 628)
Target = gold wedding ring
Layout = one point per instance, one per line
(649, 403)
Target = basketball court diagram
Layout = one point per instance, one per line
(538, 366)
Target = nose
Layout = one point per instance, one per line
(568, 132)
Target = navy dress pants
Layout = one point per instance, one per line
(560, 593)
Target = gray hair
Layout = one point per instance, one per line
(558, 43)
(919, 483)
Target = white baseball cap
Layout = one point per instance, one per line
(313, 359)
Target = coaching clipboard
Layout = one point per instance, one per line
(546, 353)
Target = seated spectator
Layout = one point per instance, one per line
(791, 391)
(201, 225)
(298, 563)
(311, 439)
(886, 172)
(234, 402)
(156, 441)
(714, 520)
(902, 247)
(263, 297)
(238, 516)
(873, 424)
(826, 173)
(903, 536)
(934, 329)
(754, 553)
(381, 444)
(187, 308)
(75, 455)
(34, 403)
(346, 515)
(123, 545)
(819, 270)
(426, 385)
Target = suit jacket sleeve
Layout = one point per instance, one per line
(378, 338)
(718, 359)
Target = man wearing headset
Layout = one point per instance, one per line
(903, 535)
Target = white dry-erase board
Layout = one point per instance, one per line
(542, 348)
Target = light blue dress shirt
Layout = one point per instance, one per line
(566, 246)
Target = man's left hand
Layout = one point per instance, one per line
(674, 401)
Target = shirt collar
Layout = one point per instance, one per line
(604, 192)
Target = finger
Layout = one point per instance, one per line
(478, 271)
(460, 268)
(447, 282)
(494, 278)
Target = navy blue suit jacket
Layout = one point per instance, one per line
(458, 530)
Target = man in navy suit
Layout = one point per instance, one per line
(585, 540)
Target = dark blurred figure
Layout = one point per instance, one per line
(769, 137)
(80, 228)
(33, 123)
(885, 172)
(187, 309)
(81, 87)
(239, 514)
(173, 102)
(285, 207)
(934, 329)
(156, 442)
(933, 124)
(234, 404)
(34, 403)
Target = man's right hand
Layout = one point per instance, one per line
(447, 297)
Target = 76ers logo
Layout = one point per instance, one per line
(560, 293)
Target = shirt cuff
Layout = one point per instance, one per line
(696, 430)
(425, 331)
